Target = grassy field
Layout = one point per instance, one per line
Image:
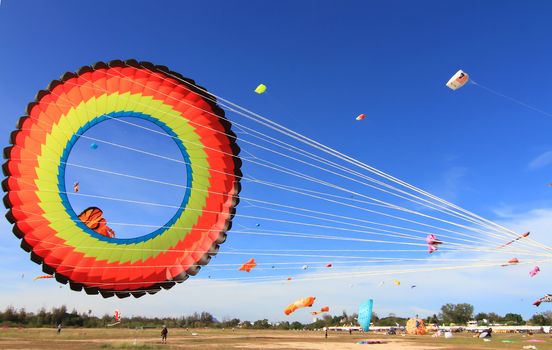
(122, 338)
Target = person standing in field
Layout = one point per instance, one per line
(59, 328)
(164, 333)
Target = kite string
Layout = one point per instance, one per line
(312, 179)
(213, 100)
(232, 135)
(319, 277)
(369, 168)
(273, 125)
(279, 233)
(163, 205)
(270, 218)
(515, 100)
(167, 158)
(180, 161)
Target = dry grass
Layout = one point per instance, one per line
(123, 338)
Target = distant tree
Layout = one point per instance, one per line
(548, 315)
(375, 317)
(22, 316)
(493, 318)
(43, 318)
(261, 324)
(391, 321)
(296, 325)
(319, 323)
(246, 324)
(283, 325)
(433, 319)
(481, 316)
(10, 314)
(231, 323)
(539, 320)
(206, 319)
(58, 314)
(456, 313)
(513, 319)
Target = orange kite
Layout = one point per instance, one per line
(511, 262)
(248, 265)
(305, 302)
(322, 310)
(93, 218)
(43, 277)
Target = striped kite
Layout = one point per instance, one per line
(36, 195)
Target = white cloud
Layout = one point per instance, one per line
(453, 181)
(541, 161)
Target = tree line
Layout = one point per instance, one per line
(451, 314)
(460, 314)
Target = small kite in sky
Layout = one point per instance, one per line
(361, 116)
(545, 299)
(93, 146)
(458, 80)
(432, 243)
(43, 277)
(534, 271)
(397, 282)
(93, 218)
(322, 310)
(512, 261)
(526, 234)
(248, 265)
(117, 315)
(76, 187)
(329, 265)
(260, 89)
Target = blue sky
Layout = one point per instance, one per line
(324, 62)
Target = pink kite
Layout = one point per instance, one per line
(432, 243)
(117, 315)
(534, 271)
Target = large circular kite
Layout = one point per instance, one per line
(70, 247)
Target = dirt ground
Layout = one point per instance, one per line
(211, 339)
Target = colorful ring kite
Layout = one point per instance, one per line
(36, 197)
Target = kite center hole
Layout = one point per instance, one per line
(132, 170)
